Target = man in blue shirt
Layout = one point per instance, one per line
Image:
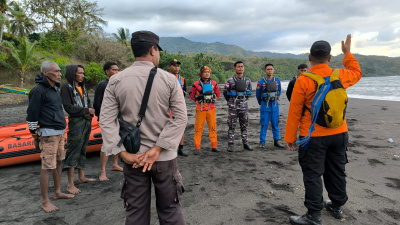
(267, 93)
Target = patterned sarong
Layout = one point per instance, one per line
(77, 141)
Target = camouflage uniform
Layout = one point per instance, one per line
(238, 107)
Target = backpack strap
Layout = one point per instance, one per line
(315, 77)
(335, 75)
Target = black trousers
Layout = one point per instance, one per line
(325, 156)
(169, 189)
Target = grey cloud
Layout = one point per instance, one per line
(283, 26)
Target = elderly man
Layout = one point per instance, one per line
(45, 109)
(160, 134)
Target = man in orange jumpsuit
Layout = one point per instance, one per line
(204, 92)
(326, 152)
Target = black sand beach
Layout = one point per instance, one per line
(243, 187)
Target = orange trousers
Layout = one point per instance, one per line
(201, 118)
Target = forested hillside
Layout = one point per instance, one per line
(70, 32)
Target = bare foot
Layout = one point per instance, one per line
(62, 196)
(86, 180)
(48, 207)
(103, 177)
(117, 168)
(73, 190)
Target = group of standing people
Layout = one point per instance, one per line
(46, 122)
(162, 128)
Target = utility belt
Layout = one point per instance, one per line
(269, 96)
(206, 98)
(238, 94)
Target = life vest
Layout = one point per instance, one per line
(207, 94)
(328, 108)
(270, 92)
(240, 90)
(181, 80)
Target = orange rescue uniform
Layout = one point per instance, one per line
(303, 94)
(208, 114)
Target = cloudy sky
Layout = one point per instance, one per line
(285, 26)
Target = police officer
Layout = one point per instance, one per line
(237, 90)
(267, 93)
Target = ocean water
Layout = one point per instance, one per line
(378, 88)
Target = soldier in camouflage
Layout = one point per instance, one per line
(237, 90)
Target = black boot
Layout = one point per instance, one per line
(214, 150)
(335, 211)
(248, 147)
(182, 152)
(230, 148)
(277, 144)
(305, 219)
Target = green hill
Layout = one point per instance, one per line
(371, 65)
(183, 45)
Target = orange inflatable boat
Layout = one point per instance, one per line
(16, 143)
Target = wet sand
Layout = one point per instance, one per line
(243, 187)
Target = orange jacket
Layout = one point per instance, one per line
(304, 92)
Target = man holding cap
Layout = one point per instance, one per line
(326, 152)
(174, 66)
(160, 134)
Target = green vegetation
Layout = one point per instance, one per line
(21, 58)
(71, 33)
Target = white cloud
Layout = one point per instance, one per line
(278, 26)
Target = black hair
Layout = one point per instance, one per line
(237, 62)
(319, 59)
(108, 65)
(268, 64)
(141, 49)
(79, 66)
(302, 66)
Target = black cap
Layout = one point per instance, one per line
(174, 62)
(320, 49)
(145, 36)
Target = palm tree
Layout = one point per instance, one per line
(3, 17)
(122, 36)
(20, 23)
(22, 58)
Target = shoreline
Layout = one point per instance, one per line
(243, 187)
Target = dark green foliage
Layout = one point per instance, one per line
(94, 73)
(57, 41)
(34, 37)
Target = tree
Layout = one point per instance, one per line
(21, 58)
(122, 36)
(73, 16)
(20, 24)
(3, 17)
